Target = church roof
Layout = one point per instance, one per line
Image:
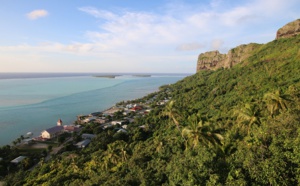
(55, 129)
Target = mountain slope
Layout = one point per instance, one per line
(237, 126)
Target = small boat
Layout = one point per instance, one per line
(29, 134)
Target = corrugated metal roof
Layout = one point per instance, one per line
(18, 159)
(83, 143)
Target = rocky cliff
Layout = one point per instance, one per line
(214, 59)
(289, 30)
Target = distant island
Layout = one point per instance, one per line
(142, 75)
(114, 76)
(106, 76)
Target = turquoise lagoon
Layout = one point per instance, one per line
(32, 104)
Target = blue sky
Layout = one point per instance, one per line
(131, 36)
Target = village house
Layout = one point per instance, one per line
(52, 132)
(122, 122)
(71, 128)
(129, 106)
(88, 120)
(18, 159)
(83, 144)
(136, 108)
(147, 111)
(107, 125)
(121, 130)
(101, 120)
(163, 102)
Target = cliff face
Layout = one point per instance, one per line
(289, 30)
(210, 60)
(214, 59)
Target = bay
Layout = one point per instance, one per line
(35, 104)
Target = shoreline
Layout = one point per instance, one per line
(83, 103)
(107, 110)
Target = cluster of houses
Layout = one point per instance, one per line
(129, 112)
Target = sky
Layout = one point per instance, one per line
(110, 36)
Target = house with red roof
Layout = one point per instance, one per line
(71, 128)
(136, 108)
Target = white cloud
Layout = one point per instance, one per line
(236, 16)
(37, 14)
(135, 39)
(98, 13)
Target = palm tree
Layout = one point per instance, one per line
(26, 163)
(116, 153)
(122, 149)
(172, 113)
(110, 157)
(276, 101)
(205, 133)
(247, 115)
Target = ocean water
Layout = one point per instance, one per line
(32, 103)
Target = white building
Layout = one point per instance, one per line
(83, 144)
(18, 159)
(52, 132)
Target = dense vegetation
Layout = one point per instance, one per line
(237, 126)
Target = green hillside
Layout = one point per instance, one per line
(237, 126)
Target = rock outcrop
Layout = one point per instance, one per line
(214, 59)
(289, 30)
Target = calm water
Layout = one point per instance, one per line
(31, 104)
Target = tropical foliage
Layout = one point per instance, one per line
(237, 126)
